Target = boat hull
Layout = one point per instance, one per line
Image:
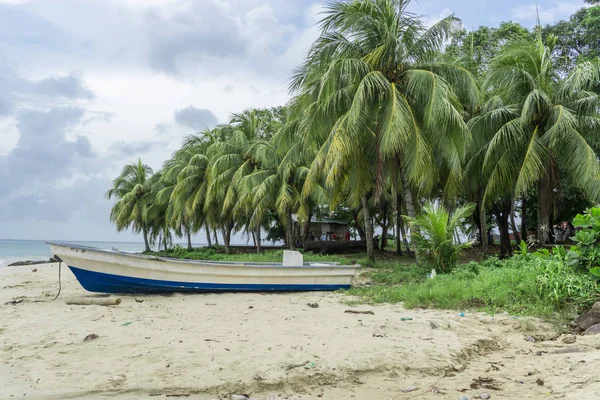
(114, 272)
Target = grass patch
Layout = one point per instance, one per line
(517, 287)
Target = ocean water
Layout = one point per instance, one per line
(21, 250)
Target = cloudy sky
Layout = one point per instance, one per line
(88, 85)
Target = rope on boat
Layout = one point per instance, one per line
(60, 261)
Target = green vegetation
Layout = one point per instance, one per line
(434, 234)
(544, 283)
(387, 114)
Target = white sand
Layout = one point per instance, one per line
(214, 345)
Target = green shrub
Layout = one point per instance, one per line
(435, 234)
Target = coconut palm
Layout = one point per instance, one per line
(435, 235)
(542, 127)
(132, 191)
(374, 73)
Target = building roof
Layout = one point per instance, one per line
(315, 220)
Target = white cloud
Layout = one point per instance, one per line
(547, 13)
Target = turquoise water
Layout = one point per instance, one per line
(21, 250)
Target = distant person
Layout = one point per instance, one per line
(490, 236)
(334, 237)
(347, 236)
(324, 237)
(312, 236)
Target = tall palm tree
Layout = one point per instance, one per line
(542, 125)
(132, 192)
(373, 72)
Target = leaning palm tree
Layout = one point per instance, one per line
(132, 191)
(542, 127)
(372, 82)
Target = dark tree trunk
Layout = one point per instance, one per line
(227, 237)
(258, 240)
(384, 228)
(544, 209)
(368, 228)
(410, 207)
(502, 214)
(513, 226)
(208, 239)
(399, 235)
(524, 219)
(289, 228)
(216, 237)
(189, 237)
(146, 243)
(360, 228)
(306, 230)
(483, 226)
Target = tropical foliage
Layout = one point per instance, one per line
(391, 117)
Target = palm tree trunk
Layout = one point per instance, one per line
(524, 219)
(513, 225)
(257, 238)
(398, 223)
(208, 239)
(544, 209)
(289, 227)
(360, 228)
(146, 243)
(216, 237)
(410, 208)
(189, 237)
(483, 226)
(384, 229)
(306, 231)
(404, 236)
(368, 228)
(227, 237)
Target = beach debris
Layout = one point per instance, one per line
(464, 398)
(178, 395)
(484, 396)
(539, 381)
(240, 397)
(94, 301)
(589, 318)
(211, 340)
(91, 336)
(484, 382)
(251, 307)
(592, 330)
(138, 300)
(34, 270)
(359, 312)
(433, 325)
(14, 302)
(529, 339)
(569, 339)
(409, 389)
(293, 366)
(310, 365)
(406, 319)
(126, 323)
(313, 305)
(462, 314)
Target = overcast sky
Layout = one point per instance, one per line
(88, 85)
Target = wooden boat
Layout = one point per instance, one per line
(111, 271)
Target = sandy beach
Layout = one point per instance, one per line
(214, 345)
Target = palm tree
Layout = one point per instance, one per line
(436, 233)
(132, 191)
(376, 92)
(542, 126)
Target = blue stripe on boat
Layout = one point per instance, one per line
(109, 283)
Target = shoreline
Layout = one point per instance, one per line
(211, 346)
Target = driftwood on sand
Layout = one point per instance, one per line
(95, 301)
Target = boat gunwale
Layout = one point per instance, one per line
(254, 264)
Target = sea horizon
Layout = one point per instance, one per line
(13, 250)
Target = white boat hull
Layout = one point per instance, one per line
(114, 272)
